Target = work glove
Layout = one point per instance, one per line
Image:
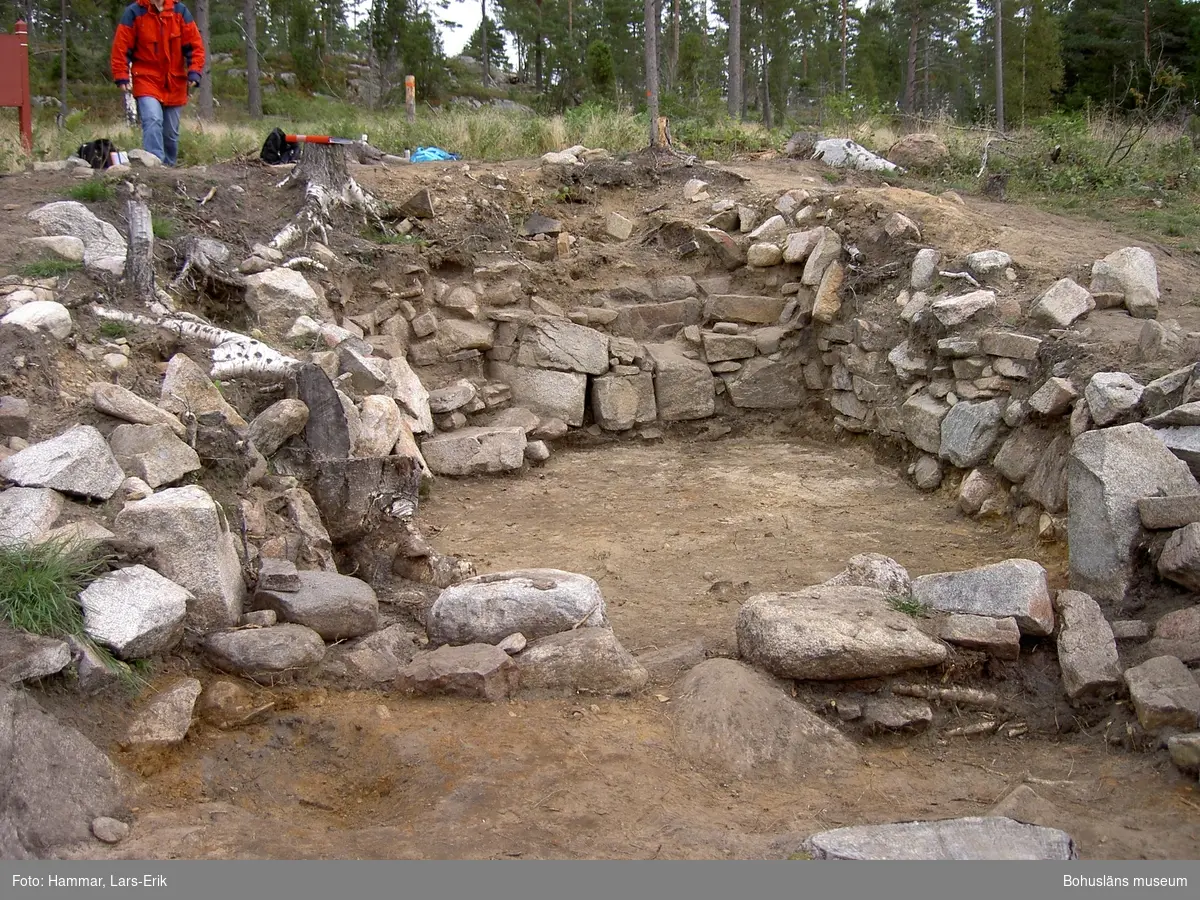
(193, 80)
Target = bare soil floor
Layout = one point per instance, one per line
(676, 534)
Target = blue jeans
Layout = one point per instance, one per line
(160, 129)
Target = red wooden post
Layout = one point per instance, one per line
(14, 79)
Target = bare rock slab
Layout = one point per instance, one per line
(1164, 694)
(165, 720)
(278, 575)
(535, 602)
(766, 384)
(480, 671)
(969, 838)
(153, 453)
(1015, 588)
(968, 432)
(742, 722)
(78, 462)
(1162, 513)
(684, 389)
(874, 570)
(277, 424)
(551, 343)
(28, 513)
(550, 394)
(481, 450)
(56, 780)
(265, 655)
(135, 612)
(832, 633)
(377, 659)
(897, 714)
(24, 657)
(1087, 649)
(666, 665)
(1111, 395)
(1180, 558)
(1131, 272)
(122, 403)
(194, 548)
(1062, 304)
(336, 607)
(1108, 472)
(1000, 638)
(585, 660)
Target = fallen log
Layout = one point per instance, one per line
(234, 355)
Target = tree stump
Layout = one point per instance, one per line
(327, 187)
(358, 496)
(139, 258)
(995, 186)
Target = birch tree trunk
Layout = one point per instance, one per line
(735, 58)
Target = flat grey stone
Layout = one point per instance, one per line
(1087, 649)
(534, 602)
(1109, 471)
(336, 607)
(135, 612)
(968, 838)
(1168, 513)
(25, 657)
(832, 633)
(897, 714)
(266, 655)
(1164, 694)
(585, 660)
(165, 720)
(153, 453)
(475, 451)
(1000, 638)
(1015, 588)
(480, 671)
(78, 461)
(26, 514)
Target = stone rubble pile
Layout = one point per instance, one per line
(482, 376)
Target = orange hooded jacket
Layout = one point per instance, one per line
(163, 48)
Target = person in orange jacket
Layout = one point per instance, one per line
(157, 54)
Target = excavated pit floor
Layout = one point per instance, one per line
(677, 534)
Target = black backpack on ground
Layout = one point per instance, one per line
(278, 149)
(98, 153)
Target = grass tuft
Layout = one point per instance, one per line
(114, 329)
(39, 590)
(906, 604)
(91, 191)
(49, 268)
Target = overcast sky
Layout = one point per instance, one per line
(467, 14)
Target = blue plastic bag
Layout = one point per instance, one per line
(432, 154)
